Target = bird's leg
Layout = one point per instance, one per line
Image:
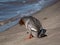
(30, 33)
(30, 36)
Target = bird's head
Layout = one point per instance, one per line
(41, 33)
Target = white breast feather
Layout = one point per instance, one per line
(29, 26)
(27, 23)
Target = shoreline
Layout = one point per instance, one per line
(5, 24)
(50, 19)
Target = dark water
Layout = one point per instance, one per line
(13, 8)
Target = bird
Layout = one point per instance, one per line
(33, 25)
